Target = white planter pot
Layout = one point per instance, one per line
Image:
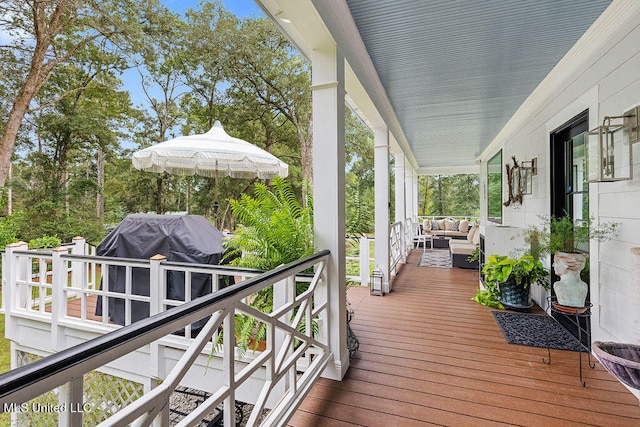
(570, 290)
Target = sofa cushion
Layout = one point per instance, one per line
(448, 224)
(456, 234)
(472, 231)
(441, 224)
(476, 238)
(463, 249)
(464, 226)
(426, 225)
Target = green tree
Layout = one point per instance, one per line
(451, 195)
(47, 34)
(267, 70)
(359, 178)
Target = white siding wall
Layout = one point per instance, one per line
(601, 73)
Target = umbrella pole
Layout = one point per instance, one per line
(215, 199)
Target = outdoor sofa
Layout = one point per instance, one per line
(446, 227)
(461, 249)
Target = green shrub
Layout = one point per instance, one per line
(45, 242)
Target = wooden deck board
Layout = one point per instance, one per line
(430, 356)
(74, 308)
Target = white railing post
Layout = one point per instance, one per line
(156, 282)
(10, 292)
(364, 261)
(71, 401)
(59, 278)
(78, 269)
(156, 295)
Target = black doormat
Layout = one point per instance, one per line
(535, 331)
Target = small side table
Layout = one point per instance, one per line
(574, 314)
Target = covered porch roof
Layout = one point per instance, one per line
(444, 76)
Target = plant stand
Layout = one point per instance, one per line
(574, 314)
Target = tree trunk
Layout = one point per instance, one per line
(19, 109)
(37, 76)
(100, 194)
(10, 193)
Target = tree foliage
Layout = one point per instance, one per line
(274, 227)
(69, 123)
(454, 195)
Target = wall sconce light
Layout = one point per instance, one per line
(528, 169)
(609, 148)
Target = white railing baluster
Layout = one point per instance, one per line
(286, 368)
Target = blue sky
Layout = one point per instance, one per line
(242, 8)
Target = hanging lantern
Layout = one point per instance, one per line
(609, 148)
(376, 282)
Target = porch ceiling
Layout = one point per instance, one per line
(456, 71)
(444, 76)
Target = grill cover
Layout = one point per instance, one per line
(181, 238)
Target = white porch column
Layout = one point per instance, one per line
(401, 205)
(416, 193)
(328, 193)
(412, 193)
(382, 223)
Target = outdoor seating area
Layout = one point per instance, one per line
(428, 354)
(460, 250)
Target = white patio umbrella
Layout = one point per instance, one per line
(209, 154)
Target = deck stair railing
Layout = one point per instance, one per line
(279, 377)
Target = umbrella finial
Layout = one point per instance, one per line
(217, 124)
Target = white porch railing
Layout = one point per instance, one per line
(397, 247)
(364, 260)
(38, 319)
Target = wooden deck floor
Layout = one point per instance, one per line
(430, 356)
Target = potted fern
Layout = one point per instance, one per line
(513, 277)
(274, 229)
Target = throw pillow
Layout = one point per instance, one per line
(441, 224)
(464, 226)
(456, 226)
(434, 225)
(426, 225)
(448, 224)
